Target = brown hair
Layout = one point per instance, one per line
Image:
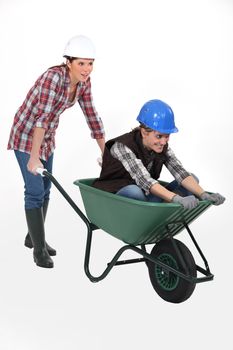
(142, 126)
(70, 59)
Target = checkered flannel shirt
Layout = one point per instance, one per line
(139, 173)
(44, 103)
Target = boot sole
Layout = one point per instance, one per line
(45, 266)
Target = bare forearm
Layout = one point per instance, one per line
(190, 184)
(34, 160)
(101, 144)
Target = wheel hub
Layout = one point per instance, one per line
(166, 279)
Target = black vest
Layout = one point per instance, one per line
(114, 176)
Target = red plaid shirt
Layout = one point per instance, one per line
(43, 105)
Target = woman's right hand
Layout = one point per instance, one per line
(33, 164)
(100, 161)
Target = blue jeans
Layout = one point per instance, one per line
(36, 187)
(135, 192)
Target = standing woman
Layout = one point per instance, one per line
(32, 135)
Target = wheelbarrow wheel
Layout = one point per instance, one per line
(168, 285)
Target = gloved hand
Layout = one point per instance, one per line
(215, 198)
(188, 202)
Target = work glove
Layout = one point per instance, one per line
(188, 202)
(215, 198)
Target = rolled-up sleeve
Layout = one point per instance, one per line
(93, 120)
(46, 91)
(175, 167)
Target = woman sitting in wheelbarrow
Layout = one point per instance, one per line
(132, 162)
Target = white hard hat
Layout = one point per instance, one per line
(81, 47)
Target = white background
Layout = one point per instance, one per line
(179, 51)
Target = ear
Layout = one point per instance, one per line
(144, 133)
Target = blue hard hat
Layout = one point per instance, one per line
(157, 115)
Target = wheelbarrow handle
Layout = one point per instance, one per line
(44, 172)
(41, 171)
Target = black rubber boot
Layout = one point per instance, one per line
(35, 221)
(28, 241)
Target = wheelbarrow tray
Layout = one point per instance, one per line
(132, 221)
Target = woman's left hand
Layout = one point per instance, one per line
(33, 164)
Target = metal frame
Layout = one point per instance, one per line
(208, 276)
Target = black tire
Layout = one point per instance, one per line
(168, 285)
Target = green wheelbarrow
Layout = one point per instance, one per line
(172, 269)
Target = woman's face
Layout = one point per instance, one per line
(80, 69)
(154, 140)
